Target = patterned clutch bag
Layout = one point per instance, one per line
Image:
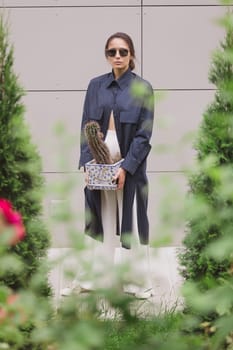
(100, 176)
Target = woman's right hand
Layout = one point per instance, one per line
(119, 178)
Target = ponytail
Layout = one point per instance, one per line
(131, 64)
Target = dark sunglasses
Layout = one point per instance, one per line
(112, 52)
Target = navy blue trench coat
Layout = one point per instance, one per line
(133, 122)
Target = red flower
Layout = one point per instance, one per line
(11, 218)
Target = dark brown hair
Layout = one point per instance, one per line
(128, 41)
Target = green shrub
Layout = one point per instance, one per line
(215, 154)
(20, 173)
(207, 258)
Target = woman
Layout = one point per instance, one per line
(126, 123)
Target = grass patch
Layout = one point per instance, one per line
(139, 333)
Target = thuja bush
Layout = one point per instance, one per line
(214, 147)
(20, 170)
(207, 259)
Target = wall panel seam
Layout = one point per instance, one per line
(84, 90)
(113, 6)
(67, 6)
(188, 5)
(142, 45)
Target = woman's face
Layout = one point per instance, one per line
(120, 56)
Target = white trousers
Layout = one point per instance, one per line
(103, 255)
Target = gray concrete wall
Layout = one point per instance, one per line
(59, 47)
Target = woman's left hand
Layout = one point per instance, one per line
(119, 178)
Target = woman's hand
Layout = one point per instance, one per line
(119, 178)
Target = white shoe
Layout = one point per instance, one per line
(145, 294)
(130, 289)
(139, 292)
(74, 288)
(65, 292)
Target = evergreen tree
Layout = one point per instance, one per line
(215, 138)
(20, 168)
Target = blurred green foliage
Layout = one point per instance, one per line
(106, 319)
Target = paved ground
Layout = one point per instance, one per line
(165, 276)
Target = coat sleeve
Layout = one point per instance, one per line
(140, 146)
(85, 154)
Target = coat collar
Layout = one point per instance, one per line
(122, 82)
